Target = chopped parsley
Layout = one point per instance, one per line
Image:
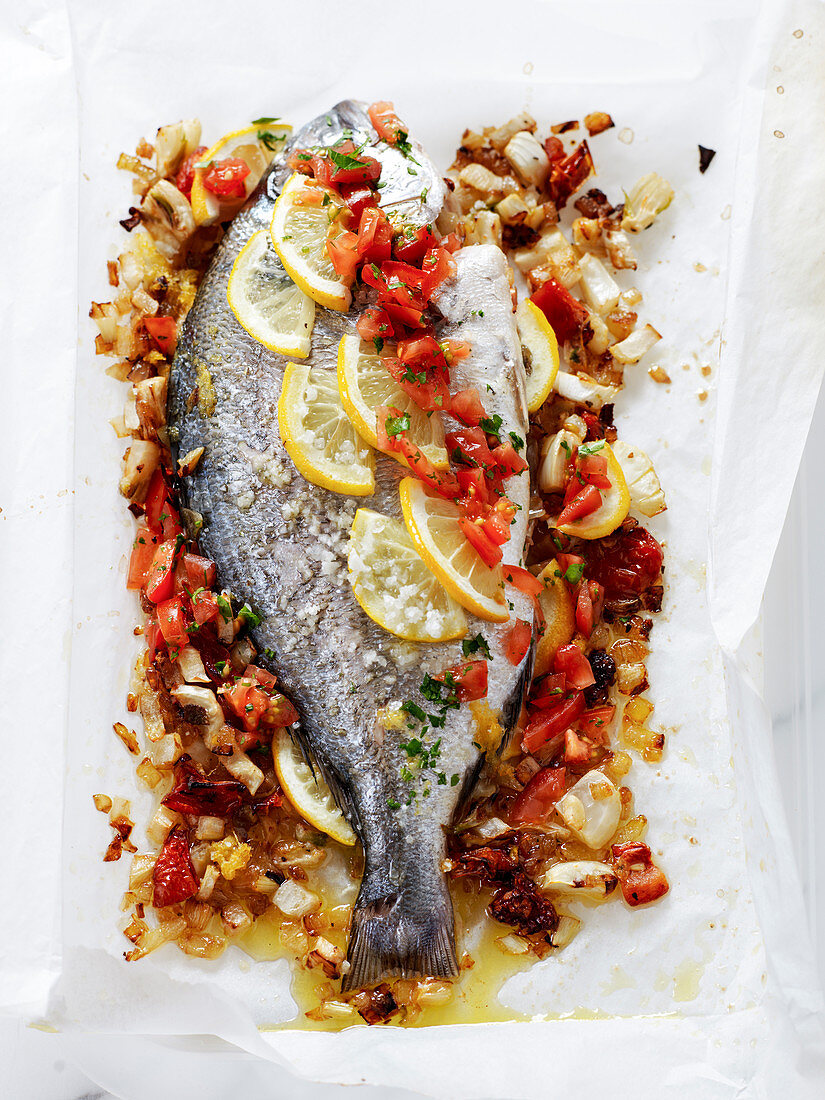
(265, 121)
(516, 439)
(271, 141)
(491, 425)
(344, 160)
(249, 617)
(591, 448)
(476, 645)
(225, 608)
(573, 573)
(379, 344)
(395, 425)
(415, 710)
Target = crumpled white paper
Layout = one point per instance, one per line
(711, 991)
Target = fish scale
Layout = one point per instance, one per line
(270, 531)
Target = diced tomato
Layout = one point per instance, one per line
(172, 622)
(466, 406)
(374, 324)
(523, 580)
(589, 602)
(261, 676)
(157, 501)
(200, 572)
(164, 333)
(343, 163)
(539, 797)
(593, 470)
(225, 178)
(186, 173)
(358, 197)
(160, 576)
(418, 351)
(565, 561)
(412, 243)
(572, 662)
(438, 265)
(595, 723)
(639, 877)
(475, 494)
(565, 313)
(194, 794)
(468, 678)
(444, 482)
(402, 316)
(143, 551)
(343, 253)
(489, 551)
(549, 690)
(626, 564)
(496, 524)
(451, 243)
(455, 350)
(174, 879)
(518, 641)
(576, 751)
(154, 639)
(469, 446)
(386, 122)
(374, 235)
(584, 503)
(205, 607)
(257, 704)
(548, 723)
(508, 460)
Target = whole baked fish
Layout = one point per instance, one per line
(281, 544)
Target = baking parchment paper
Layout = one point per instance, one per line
(712, 989)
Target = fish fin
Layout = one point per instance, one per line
(513, 704)
(391, 937)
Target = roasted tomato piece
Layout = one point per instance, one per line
(186, 173)
(539, 797)
(626, 564)
(570, 661)
(143, 551)
(549, 723)
(522, 907)
(639, 877)
(194, 794)
(595, 723)
(163, 331)
(565, 313)
(160, 576)
(174, 879)
(518, 641)
(584, 503)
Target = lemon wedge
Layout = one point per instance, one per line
(615, 501)
(541, 353)
(394, 586)
(304, 214)
(308, 793)
(266, 302)
(559, 614)
(256, 145)
(364, 383)
(317, 433)
(433, 526)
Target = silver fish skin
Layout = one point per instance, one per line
(280, 543)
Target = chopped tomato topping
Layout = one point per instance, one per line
(518, 641)
(386, 122)
(475, 493)
(565, 561)
(488, 550)
(186, 173)
(592, 469)
(465, 405)
(539, 797)
(576, 751)
(163, 331)
(357, 196)
(507, 459)
(595, 723)
(438, 265)
(412, 243)
(257, 704)
(584, 503)
(174, 879)
(143, 551)
(572, 662)
(200, 572)
(549, 690)
(205, 607)
(567, 174)
(225, 178)
(496, 522)
(172, 622)
(548, 723)
(344, 163)
(639, 877)
(374, 235)
(444, 483)
(374, 324)
(343, 254)
(523, 580)
(468, 678)
(160, 577)
(565, 313)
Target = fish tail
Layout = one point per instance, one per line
(395, 934)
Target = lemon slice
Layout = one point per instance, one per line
(308, 793)
(394, 586)
(365, 382)
(541, 360)
(559, 614)
(256, 151)
(433, 525)
(301, 221)
(266, 302)
(317, 433)
(615, 501)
